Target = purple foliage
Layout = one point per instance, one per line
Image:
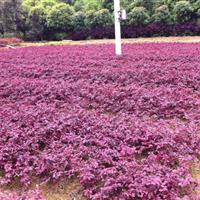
(131, 31)
(126, 126)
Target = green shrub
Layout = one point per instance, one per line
(198, 13)
(183, 12)
(197, 5)
(78, 20)
(92, 5)
(9, 35)
(197, 10)
(108, 4)
(59, 36)
(87, 5)
(159, 3)
(60, 17)
(89, 19)
(162, 15)
(79, 5)
(148, 4)
(101, 18)
(139, 16)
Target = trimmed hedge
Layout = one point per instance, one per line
(187, 29)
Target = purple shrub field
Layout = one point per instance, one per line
(127, 127)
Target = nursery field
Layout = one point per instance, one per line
(125, 128)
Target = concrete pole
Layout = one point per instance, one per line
(118, 43)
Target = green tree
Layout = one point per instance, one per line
(37, 27)
(41, 7)
(2, 21)
(28, 4)
(12, 17)
(37, 17)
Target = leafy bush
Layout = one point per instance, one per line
(139, 16)
(87, 5)
(108, 4)
(147, 4)
(162, 15)
(183, 12)
(198, 13)
(78, 21)
(92, 5)
(101, 18)
(60, 17)
(79, 5)
(197, 5)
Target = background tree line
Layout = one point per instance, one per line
(60, 19)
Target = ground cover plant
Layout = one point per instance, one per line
(126, 127)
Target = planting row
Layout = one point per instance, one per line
(135, 31)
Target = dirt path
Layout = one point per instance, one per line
(192, 39)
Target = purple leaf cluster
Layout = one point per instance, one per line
(127, 127)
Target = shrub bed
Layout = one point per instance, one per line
(127, 127)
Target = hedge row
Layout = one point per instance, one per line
(138, 31)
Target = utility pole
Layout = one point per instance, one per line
(119, 16)
(118, 42)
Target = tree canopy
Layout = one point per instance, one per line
(38, 19)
